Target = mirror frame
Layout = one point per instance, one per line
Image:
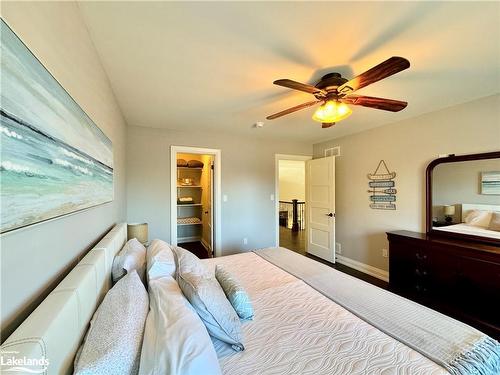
(428, 205)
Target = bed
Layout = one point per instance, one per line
(463, 228)
(468, 229)
(296, 330)
(55, 329)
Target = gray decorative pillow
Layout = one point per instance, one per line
(208, 299)
(235, 293)
(131, 257)
(113, 342)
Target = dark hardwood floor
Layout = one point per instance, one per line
(351, 271)
(196, 248)
(296, 241)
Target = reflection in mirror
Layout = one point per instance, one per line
(466, 197)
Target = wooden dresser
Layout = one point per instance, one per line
(457, 277)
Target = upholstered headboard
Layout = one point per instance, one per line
(54, 331)
(468, 207)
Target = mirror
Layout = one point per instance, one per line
(463, 197)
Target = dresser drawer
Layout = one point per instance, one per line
(443, 273)
(480, 278)
(407, 267)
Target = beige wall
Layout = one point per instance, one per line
(247, 179)
(407, 147)
(292, 175)
(32, 259)
(457, 183)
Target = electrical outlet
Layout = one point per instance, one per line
(245, 241)
(385, 253)
(224, 198)
(338, 248)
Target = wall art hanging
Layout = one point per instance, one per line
(54, 159)
(490, 183)
(382, 188)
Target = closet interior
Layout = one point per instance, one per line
(194, 202)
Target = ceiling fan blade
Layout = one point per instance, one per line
(372, 102)
(383, 70)
(293, 109)
(300, 86)
(325, 125)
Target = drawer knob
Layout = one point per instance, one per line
(421, 256)
(420, 273)
(420, 288)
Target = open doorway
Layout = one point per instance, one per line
(290, 199)
(195, 203)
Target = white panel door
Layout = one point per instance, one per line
(320, 206)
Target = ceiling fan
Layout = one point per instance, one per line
(335, 92)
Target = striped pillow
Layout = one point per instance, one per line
(235, 293)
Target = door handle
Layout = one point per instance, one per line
(330, 214)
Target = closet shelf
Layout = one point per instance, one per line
(188, 220)
(188, 204)
(189, 186)
(191, 169)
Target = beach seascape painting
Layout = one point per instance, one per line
(54, 159)
(490, 183)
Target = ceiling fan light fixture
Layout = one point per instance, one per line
(332, 111)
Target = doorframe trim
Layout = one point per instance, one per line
(217, 192)
(277, 158)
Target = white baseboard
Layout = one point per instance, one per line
(188, 239)
(370, 270)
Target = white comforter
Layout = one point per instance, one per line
(469, 229)
(296, 330)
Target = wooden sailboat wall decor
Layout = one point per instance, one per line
(382, 188)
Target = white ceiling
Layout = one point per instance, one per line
(210, 66)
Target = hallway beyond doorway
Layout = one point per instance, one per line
(290, 201)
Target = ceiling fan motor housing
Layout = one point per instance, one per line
(330, 82)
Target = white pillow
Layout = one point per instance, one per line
(175, 340)
(205, 294)
(113, 342)
(131, 257)
(478, 218)
(160, 260)
(495, 222)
